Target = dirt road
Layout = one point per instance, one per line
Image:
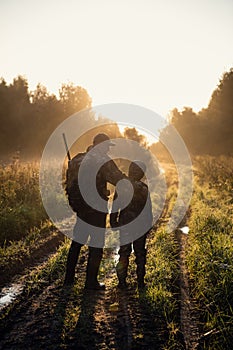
(72, 318)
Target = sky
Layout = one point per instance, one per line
(156, 54)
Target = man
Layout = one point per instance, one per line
(98, 159)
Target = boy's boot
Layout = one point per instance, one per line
(141, 271)
(121, 269)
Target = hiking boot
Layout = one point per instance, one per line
(72, 259)
(95, 255)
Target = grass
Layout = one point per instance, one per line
(162, 272)
(210, 253)
(21, 207)
(162, 281)
(216, 171)
(52, 271)
(26, 234)
(39, 242)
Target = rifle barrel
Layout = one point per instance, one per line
(66, 146)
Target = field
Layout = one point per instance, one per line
(188, 302)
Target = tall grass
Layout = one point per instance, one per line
(216, 171)
(162, 280)
(210, 252)
(21, 207)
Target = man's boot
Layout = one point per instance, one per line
(71, 262)
(93, 264)
(121, 269)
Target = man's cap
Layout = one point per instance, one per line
(101, 138)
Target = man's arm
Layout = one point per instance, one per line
(112, 173)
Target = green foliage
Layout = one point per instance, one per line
(55, 266)
(210, 130)
(133, 134)
(217, 171)
(20, 202)
(74, 98)
(210, 256)
(161, 277)
(160, 268)
(29, 117)
(14, 254)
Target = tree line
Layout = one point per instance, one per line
(209, 131)
(28, 118)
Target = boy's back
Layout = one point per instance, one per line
(137, 204)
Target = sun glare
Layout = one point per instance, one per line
(150, 139)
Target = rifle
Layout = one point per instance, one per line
(66, 146)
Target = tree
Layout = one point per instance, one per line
(27, 119)
(187, 124)
(133, 134)
(221, 103)
(209, 131)
(220, 115)
(15, 103)
(74, 98)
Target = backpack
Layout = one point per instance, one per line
(71, 184)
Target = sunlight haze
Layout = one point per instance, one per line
(157, 54)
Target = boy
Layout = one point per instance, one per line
(140, 202)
